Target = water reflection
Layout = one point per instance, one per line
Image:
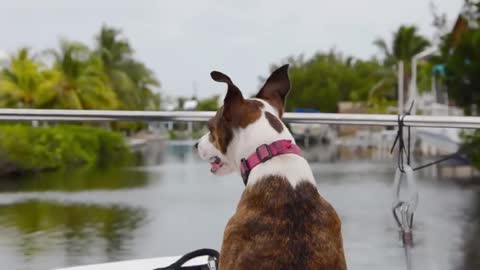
(36, 228)
(471, 250)
(178, 206)
(76, 180)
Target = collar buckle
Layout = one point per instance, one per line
(259, 151)
(264, 153)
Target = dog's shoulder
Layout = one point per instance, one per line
(283, 227)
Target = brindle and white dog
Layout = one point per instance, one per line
(281, 221)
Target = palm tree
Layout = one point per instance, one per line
(132, 81)
(407, 42)
(112, 49)
(143, 80)
(83, 83)
(25, 82)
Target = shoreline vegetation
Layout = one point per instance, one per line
(27, 149)
(105, 76)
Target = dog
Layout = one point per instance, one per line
(281, 221)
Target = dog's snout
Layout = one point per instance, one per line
(196, 145)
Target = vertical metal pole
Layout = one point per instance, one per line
(190, 129)
(413, 85)
(400, 87)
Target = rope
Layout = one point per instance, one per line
(457, 154)
(402, 150)
(406, 150)
(403, 210)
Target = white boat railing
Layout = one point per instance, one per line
(190, 116)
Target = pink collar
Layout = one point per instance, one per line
(265, 152)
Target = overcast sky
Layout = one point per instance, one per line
(182, 41)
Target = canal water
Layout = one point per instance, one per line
(170, 208)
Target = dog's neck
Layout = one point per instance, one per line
(291, 166)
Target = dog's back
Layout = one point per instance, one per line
(278, 226)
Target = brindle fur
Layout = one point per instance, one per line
(277, 226)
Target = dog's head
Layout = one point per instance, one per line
(241, 125)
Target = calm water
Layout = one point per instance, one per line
(82, 217)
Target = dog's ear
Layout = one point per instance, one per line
(276, 89)
(234, 97)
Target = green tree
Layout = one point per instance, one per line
(133, 82)
(406, 43)
(208, 104)
(83, 83)
(461, 59)
(328, 78)
(108, 77)
(144, 81)
(462, 65)
(25, 82)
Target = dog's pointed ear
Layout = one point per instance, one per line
(234, 97)
(276, 89)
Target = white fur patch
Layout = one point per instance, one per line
(246, 140)
(293, 167)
